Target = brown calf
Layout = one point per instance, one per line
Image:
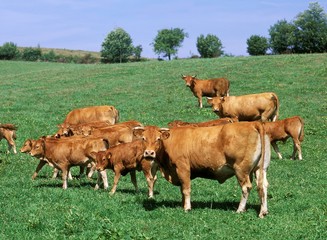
(216, 87)
(126, 158)
(281, 130)
(8, 132)
(68, 152)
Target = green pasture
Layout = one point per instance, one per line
(37, 96)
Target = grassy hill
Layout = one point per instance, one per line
(37, 96)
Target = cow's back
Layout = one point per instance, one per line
(91, 114)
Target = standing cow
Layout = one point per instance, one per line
(281, 130)
(217, 152)
(90, 114)
(252, 107)
(216, 87)
(8, 132)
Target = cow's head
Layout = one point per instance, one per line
(38, 148)
(64, 130)
(189, 80)
(27, 146)
(151, 137)
(216, 103)
(101, 160)
(85, 130)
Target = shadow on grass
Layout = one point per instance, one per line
(152, 204)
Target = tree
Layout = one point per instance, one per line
(8, 51)
(282, 37)
(209, 46)
(311, 30)
(117, 46)
(168, 41)
(257, 45)
(31, 54)
(137, 52)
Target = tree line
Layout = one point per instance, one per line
(306, 34)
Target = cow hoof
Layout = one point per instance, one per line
(263, 214)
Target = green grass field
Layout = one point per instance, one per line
(37, 96)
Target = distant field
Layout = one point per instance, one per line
(37, 96)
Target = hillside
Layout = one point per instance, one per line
(36, 96)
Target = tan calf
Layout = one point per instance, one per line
(281, 130)
(126, 158)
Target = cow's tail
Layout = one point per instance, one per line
(275, 115)
(301, 137)
(262, 183)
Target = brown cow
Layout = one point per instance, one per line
(261, 106)
(126, 158)
(215, 122)
(281, 130)
(216, 87)
(27, 147)
(8, 132)
(68, 152)
(91, 114)
(217, 152)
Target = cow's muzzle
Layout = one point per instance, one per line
(149, 154)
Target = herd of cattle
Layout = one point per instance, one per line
(237, 143)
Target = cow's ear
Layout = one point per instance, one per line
(138, 132)
(93, 155)
(209, 100)
(108, 155)
(222, 99)
(164, 133)
(183, 76)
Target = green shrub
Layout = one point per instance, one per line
(32, 54)
(9, 51)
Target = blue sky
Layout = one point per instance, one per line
(84, 24)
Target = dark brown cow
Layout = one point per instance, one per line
(281, 130)
(261, 106)
(8, 132)
(217, 152)
(216, 87)
(126, 158)
(68, 152)
(91, 114)
(215, 122)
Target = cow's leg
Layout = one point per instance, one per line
(151, 177)
(90, 169)
(296, 148)
(102, 175)
(262, 186)
(199, 96)
(185, 179)
(55, 173)
(246, 186)
(133, 179)
(116, 179)
(11, 145)
(275, 147)
(38, 168)
(64, 177)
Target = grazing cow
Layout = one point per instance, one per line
(281, 130)
(215, 122)
(217, 152)
(261, 106)
(27, 147)
(8, 132)
(126, 158)
(216, 87)
(68, 152)
(90, 114)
